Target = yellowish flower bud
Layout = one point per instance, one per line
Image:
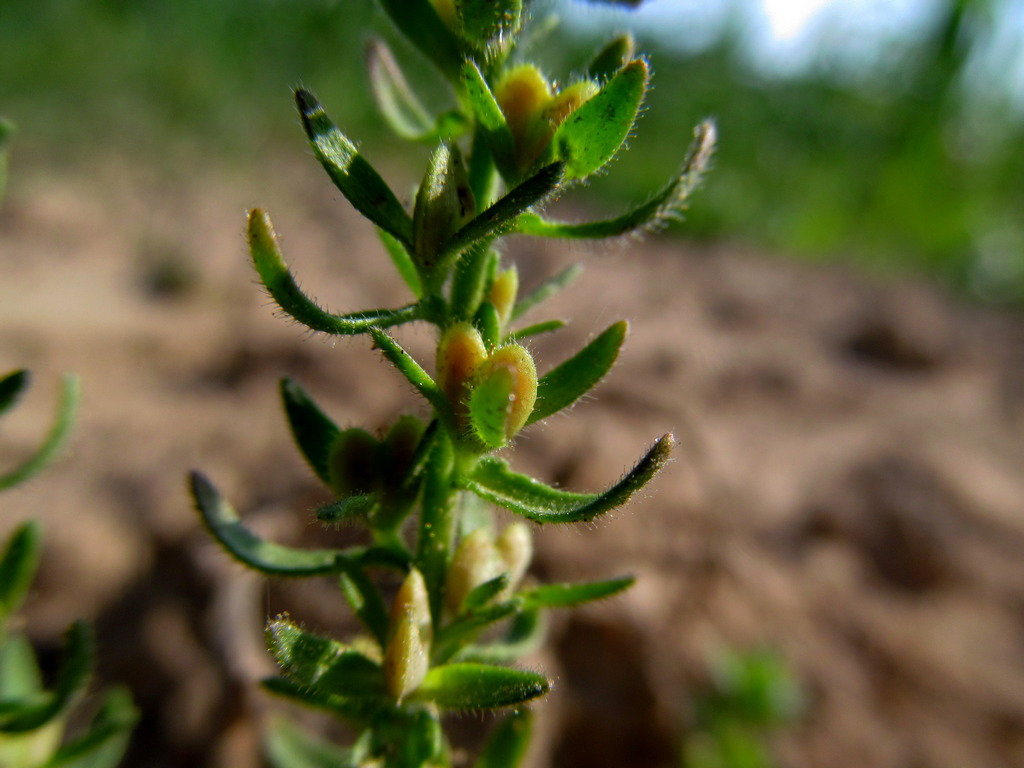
(459, 354)
(504, 290)
(515, 547)
(568, 101)
(407, 656)
(523, 94)
(475, 561)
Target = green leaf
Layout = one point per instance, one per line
(349, 170)
(501, 216)
(104, 743)
(488, 24)
(488, 323)
(535, 329)
(524, 636)
(470, 279)
(288, 746)
(349, 509)
(72, 678)
(666, 205)
(612, 57)
(395, 99)
(464, 686)
(482, 594)
(565, 595)
(67, 407)
(451, 638)
(494, 482)
(421, 25)
(18, 567)
(364, 599)
(12, 386)
(413, 372)
(313, 431)
(322, 663)
(403, 262)
(508, 741)
(223, 523)
(489, 117)
(355, 710)
(591, 136)
(547, 289)
(20, 676)
(278, 280)
(564, 385)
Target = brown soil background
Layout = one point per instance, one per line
(848, 488)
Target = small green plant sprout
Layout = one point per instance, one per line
(12, 386)
(753, 694)
(425, 489)
(33, 719)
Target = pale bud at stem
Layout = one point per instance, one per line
(475, 561)
(515, 547)
(407, 656)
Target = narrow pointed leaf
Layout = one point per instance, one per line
(666, 205)
(288, 746)
(223, 523)
(67, 407)
(612, 57)
(412, 371)
(565, 595)
(489, 324)
(365, 600)
(103, 745)
(524, 636)
(501, 216)
(278, 280)
(420, 24)
(508, 741)
(464, 629)
(6, 131)
(594, 132)
(322, 663)
(489, 117)
(464, 686)
(72, 679)
(547, 289)
(18, 567)
(562, 386)
(548, 326)
(495, 482)
(347, 510)
(482, 594)
(403, 262)
(395, 99)
(350, 171)
(356, 710)
(486, 24)
(12, 386)
(313, 430)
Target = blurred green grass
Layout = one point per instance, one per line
(893, 170)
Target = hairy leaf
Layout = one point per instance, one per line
(589, 137)
(562, 386)
(464, 686)
(489, 117)
(547, 289)
(421, 25)
(493, 481)
(67, 407)
(18, 567)
(278, 280)
(350, 171)
(313, 430)
(565, 595)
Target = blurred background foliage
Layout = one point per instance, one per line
(900, 153)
